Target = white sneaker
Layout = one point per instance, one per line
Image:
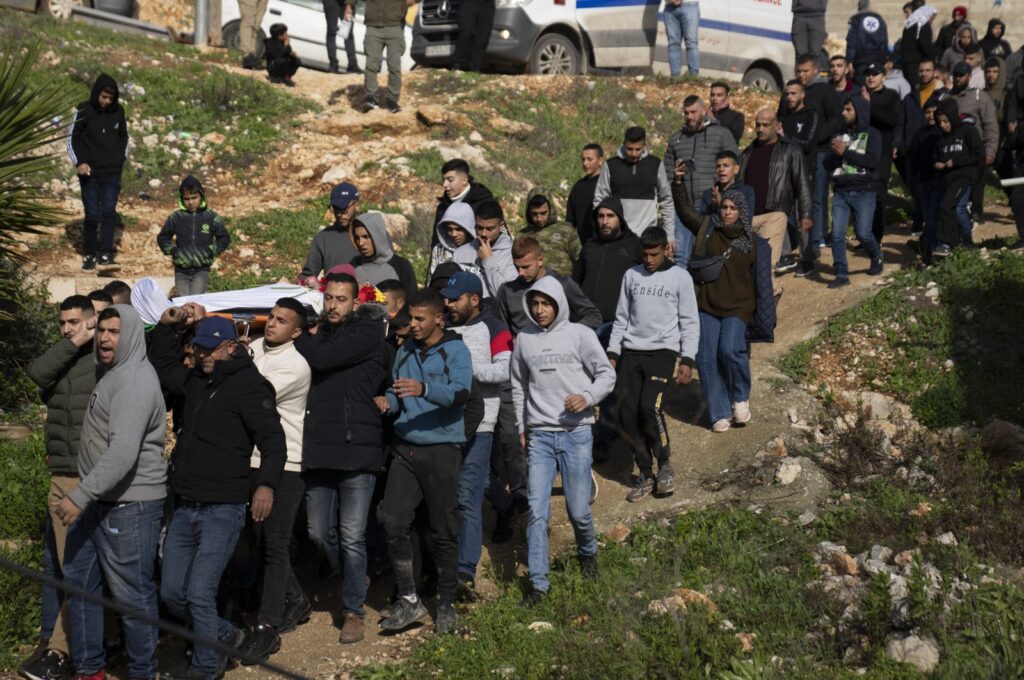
(741, 412)
(722, 425)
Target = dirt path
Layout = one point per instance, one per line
(335, 136)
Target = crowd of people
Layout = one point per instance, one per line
(393, 411)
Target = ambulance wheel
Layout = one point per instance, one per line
(554, 54)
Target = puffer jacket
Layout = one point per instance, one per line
(701, 147)
(193, 239)
(66, 376)
(788, 180)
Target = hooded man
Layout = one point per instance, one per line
(333, 244)
(559, 240)
(948, 32)
(454, 229)
(994, 43)
(228, 409)
(559, 373)
(98, 148)
(959, 162)
(885, 118)
(866, 38)
(639, 179)
(377, 260)
(489, 255)
(193, 236)
(853, 167)
(459, 187)
(954, 54)
(116, 511)
(343, 439)
(909, 159)
(606, 257)
(978, 105)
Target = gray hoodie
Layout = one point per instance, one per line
(495, 270)
(121, 459)
(376, 269)
(461, 214)
(657, 310)
(549, 364)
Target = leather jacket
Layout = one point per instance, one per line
(788, 183)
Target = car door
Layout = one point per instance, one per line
(622, 32)
(307, 27)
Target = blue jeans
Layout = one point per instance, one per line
(819, 210)
(337, 510)
(198, 545)
(681, 24)
(724, 364)
(684, 244)
(99, 199)
(861, 204)
(963, 215)
(127, 539)
(569, 452)
(52, 599)
(474, 476)
(82, 570)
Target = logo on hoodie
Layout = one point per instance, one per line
(871, 24)
(205, 229)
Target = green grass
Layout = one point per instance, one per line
(182, 97)
(977, 325)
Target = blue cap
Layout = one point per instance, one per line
(461, 283)
(343, 195)
(213, 330)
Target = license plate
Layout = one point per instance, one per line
(440, 50)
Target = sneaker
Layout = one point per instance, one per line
(839, 282)
(643, 486)
(741, 412)
(504, 526)
(262, 641)
(252, 62)
(942, 250)
(465, 589)
(237, 640)
(334, 68)
(787, 263)
(721, 425)
(403, 614)
(50, 666)
(588, 566)
(446, 619)
(804, 269)
(665, 483)
(370, 105)
(297, 611)
(392, 106)
(352, 629)
(106, 263)
(88, 263)
(876, 268)
(288, 82)
(533, 598)
(354, 68)
(593, 487)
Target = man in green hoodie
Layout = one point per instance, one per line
(115, 513)
(558, 240)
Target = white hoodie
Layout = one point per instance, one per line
(289, 373)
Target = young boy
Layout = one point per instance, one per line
(649, 347)
(193, 236)
(394, 295)
(281, 60)
(961, 153)
(377, 260)
(559, 372)
(98, 148)
(455, 229)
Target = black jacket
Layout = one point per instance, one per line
(962, 145)
(993, 46)
(580, 207)
(912, 118)
(788, 181)
(924, 150)
(827, 105)
(193, 239)
(225, 415)
(602, 263)
(857, 168)
(886, 117)
(99, 137)
(801, 128)
(343, 428)
(916, 45)
(866, 38)
(733, 121)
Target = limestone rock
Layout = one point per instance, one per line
(540, 626)
(878, 405)
(397, 226)
(946, 539)
(788, 471)
(677, 602)
(305, 173)
(337, 173)
(511, 128)
(922, 653)
(618, 533)
(843, 564)
(214, 138)
(746, 641)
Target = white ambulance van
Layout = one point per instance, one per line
(746, 40)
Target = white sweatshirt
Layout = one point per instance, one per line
(289, 373)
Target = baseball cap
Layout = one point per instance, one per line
(212, 331)
(343, 195)
(874, 68)
(461, 283)
(962, 69)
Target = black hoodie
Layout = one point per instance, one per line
(193, 239)
(993, 46)
(962, 145)
(857, 168)
(603, 263)
(99, 137)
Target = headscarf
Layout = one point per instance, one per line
(920, 17)
(744, 242)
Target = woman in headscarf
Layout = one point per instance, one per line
(916, 44)
(726, 304)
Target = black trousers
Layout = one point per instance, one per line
(333, 11)
(882, 195)
(427, 474)
(274, 537)
(1017, 206)
(284, 67)
(476, 18)
(978, 190)
(949, 223)
(510, 464)
(642, 379)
